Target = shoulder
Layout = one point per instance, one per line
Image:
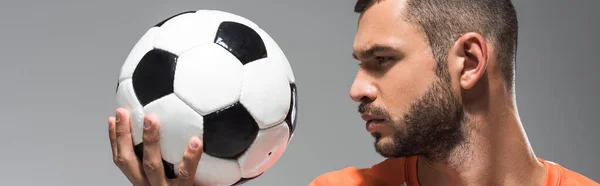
(387, 172)
(559, 175)
(347, 176)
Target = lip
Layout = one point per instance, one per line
(368, 117)
(371, 122)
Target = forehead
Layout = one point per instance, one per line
(383, 24)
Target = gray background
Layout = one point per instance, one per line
(60, 61)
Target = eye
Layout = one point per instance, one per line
(382, 59)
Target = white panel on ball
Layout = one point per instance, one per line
(266, 92)
(276, 53)
(216, 171)
(266, 150)
(126, 99)
(186, 31)
(208, 78)
(145, 44)
(178, 124)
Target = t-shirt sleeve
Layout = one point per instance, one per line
(559, 175)
(570, 177)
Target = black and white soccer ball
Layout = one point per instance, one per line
(215, 75)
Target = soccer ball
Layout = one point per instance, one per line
(215, 75)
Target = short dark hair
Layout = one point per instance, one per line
(443, 21)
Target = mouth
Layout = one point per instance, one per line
(371, 125)
(372, 122)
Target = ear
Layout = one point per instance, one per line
(472, 53)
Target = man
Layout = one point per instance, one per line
(436, 89)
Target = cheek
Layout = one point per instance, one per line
(402, 85)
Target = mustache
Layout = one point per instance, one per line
(373, 110)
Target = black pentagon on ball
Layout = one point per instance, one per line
(153, 76)
(169, 18)
(244, 180)
(290, 119)
(241, 41)
(168, 167)
(229, 132)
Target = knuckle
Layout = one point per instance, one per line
(122, 132)
(119, 160)
(150, 138)
(183, 173)
(150, 165)
(111, 128)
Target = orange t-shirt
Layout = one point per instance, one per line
(403, 172)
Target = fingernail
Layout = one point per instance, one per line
(116, 117)
(146, 124)
(194, 144)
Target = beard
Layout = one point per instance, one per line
(432, 127)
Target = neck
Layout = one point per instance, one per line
(496, 151)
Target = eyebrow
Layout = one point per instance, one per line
(371, 51)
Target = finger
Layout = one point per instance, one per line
(125, 158)
(189, 164)
(152, 160)
(112, 135)
(123, 134)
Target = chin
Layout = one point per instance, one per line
(385, 146)
(389, 146)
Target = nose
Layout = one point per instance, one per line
(363, 89)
